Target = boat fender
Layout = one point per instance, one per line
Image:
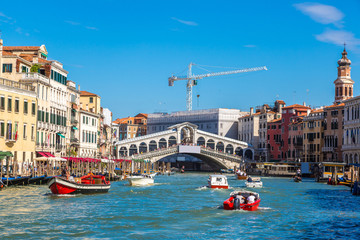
(236, 203)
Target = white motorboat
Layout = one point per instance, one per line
(254, 182)
(218, 181)
(141, 180)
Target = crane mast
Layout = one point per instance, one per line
(192, 80)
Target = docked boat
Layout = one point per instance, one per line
(12, 181)
(218, 181)
(297, 179)
(141, 180)
(254, 182)
(244, 200)
(87, 184)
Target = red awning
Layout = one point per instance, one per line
(45, 154)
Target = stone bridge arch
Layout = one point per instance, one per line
(187, 134)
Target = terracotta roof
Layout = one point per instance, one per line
(317, 110)
(5, 53)
(275, 121)
(41, 60)
(280, 101)
(336, 105)
(19, 48)
(85, 93)
(296, 106)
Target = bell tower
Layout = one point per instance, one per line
(343, 83)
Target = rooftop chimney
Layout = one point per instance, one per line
(251, 111)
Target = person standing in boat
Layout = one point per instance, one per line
(298, 172)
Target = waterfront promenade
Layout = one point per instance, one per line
(176, 208)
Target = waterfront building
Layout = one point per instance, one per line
(220, 121)
(73, 133)
(333, 133)
(295, 140)
(351, 134)
(105, 138)
(274, 139)
(313, 131)
(18, 109)
(29, 65)
(252, 128)
(89, 128)
(90, 103)
(288, 113)
(132, 127)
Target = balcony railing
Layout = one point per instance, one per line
(74, 121)
(35, 76)
(327, 149)
(10, 83)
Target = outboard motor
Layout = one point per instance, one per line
(236, 203)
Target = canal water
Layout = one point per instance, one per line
(176, 207)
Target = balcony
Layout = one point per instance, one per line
(74, 121)
(15, 84)
(58, 147)
(30, 77)
(327, 149)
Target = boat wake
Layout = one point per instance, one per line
(60, 195)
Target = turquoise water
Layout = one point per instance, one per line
(177, 208)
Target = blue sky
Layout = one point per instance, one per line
(125, 50)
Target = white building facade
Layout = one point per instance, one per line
(89, 124)
(220, 121)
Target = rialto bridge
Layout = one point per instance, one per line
(217, 151)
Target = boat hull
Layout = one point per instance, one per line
(229, 205)
(140, 181)
(219, 186)
(241, 177)
(62, 186)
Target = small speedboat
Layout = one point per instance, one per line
(85, 184)
(297, 179)
(244, 200)
(218, 181)
(141, 180)
(254, 182)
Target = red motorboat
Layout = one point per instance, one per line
(239, 200)
(86, 184)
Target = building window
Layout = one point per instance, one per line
(91, 100)
(16, 105)
(33, 108)
(32, 132)
(7, 68)
(9, 104)
(25, 106)
(2, 129)
(24, 131)
(9, 130)
(24, 69)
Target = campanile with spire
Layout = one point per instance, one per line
(344, 83)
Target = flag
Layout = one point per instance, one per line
(16, 132)
(114, 133)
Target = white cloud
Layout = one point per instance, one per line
(4, 16)
(79, 24)
(190, 23)
(249, 46)
(72, 23)
(91, 28)
(339, 37)
(321, 13)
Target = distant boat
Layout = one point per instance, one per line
(87, 184)
(141, 180)
(254, 182)
(218, 181)
(297, 179)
